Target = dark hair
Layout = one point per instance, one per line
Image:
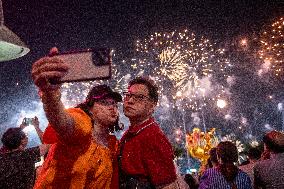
(228, 153)
(209, 163)
(254, 153)
(190, 181)
(274, 140)
(99, 92)
(13, 137)
(213, 155)
(151, 86)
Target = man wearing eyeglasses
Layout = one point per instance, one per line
(146, 156)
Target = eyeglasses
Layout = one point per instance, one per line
(135, 97)
(105, 102)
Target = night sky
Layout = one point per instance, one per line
(71, 25)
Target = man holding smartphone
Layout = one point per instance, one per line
(81, 153)
(35, 122)
(146, 156)
(17, 163)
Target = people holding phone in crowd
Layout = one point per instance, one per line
(35, 123)
(17, 164)
(80, 156)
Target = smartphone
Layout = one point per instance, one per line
(28, 121)
(86, 65)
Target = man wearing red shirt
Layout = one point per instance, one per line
(146, 155)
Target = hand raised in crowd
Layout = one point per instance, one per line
(35, 122)
(23, 125)
(47, 71)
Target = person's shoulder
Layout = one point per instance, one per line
(247, 167)
(154, 130)
(32, 150)
(154, 133)
(22, 153)
(153, 137)
(242, 173)
(262, 163)
(209, 174)
(243, 167)
(75, 111)
(210, 171)
(79, 115)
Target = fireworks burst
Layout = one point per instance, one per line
(75, 93)
(232, 138)
(164, 53)
(172, 64)
(188, 63)
(272, 45)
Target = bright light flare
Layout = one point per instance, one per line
(221, 103)
(244, 42)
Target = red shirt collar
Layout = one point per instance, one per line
(136, 128)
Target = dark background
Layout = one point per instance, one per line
(117, 24)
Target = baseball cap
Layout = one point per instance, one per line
(102, 92)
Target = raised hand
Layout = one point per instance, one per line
(47, 71)
(35, 122)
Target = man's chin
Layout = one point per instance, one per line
(129, 114)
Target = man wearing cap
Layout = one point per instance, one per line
(145, 155)
(270, 173)
(81, 154)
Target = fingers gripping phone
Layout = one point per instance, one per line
(86, 65)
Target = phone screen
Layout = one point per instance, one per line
(87, 65)
(28, 121)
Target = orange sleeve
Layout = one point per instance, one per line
(82, 130)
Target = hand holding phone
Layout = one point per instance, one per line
(85, 65)
(27, 121)
(47, 71)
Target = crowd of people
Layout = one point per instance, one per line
(81, 150)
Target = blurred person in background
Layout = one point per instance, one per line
(226, 175)
(191, 181)
(253, 157)
(269, 173)
(211, 162)
(213, 157)
(17, 164)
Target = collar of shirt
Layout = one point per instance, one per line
(136, 129)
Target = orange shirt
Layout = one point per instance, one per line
(77, 162)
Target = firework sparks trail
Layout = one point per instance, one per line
(272, 45)
(187, 62)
